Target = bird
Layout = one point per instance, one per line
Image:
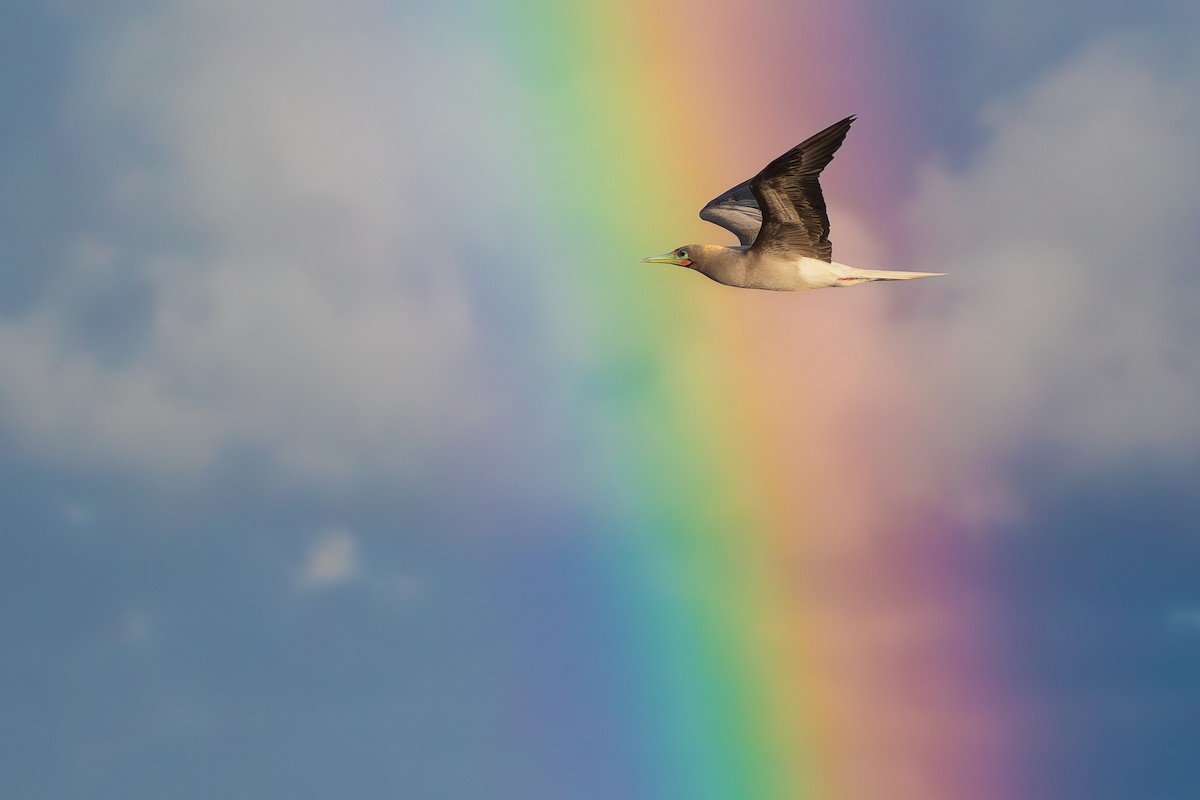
(779, 218)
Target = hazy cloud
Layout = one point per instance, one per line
(1071, 317)
(137, 626)
(262, 179)
(333, 559)
(1185, 618)
(272, 264)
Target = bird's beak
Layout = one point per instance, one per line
(668, 258)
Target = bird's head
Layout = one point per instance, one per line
(680, 256)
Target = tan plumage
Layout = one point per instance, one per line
(780, 219)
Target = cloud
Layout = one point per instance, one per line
(333, 559)
(1184, 618)
(270, 265)
(137, 626)
(258, 269)
(77, 513)
(1069, 324)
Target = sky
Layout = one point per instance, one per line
(348, 449)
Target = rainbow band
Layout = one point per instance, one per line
(782, 628)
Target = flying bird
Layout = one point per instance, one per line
(780, 219)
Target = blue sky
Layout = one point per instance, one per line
(237, 560)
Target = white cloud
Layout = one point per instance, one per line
(333, 559)
(272, 173)
(276, 184)
(1072, 313)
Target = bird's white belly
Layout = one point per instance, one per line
(812, 273)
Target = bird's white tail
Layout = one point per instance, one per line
(894, 274)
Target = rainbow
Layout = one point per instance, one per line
(786, 614)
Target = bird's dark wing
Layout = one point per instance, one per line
(794, 219)
(736, 211)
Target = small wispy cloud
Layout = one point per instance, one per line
(1185, 618)
(136, 626)
(76, 512)
(332, 559)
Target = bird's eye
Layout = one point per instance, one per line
(681, 254)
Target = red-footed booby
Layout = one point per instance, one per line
(780, 219)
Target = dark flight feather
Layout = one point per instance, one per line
(789, 194)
